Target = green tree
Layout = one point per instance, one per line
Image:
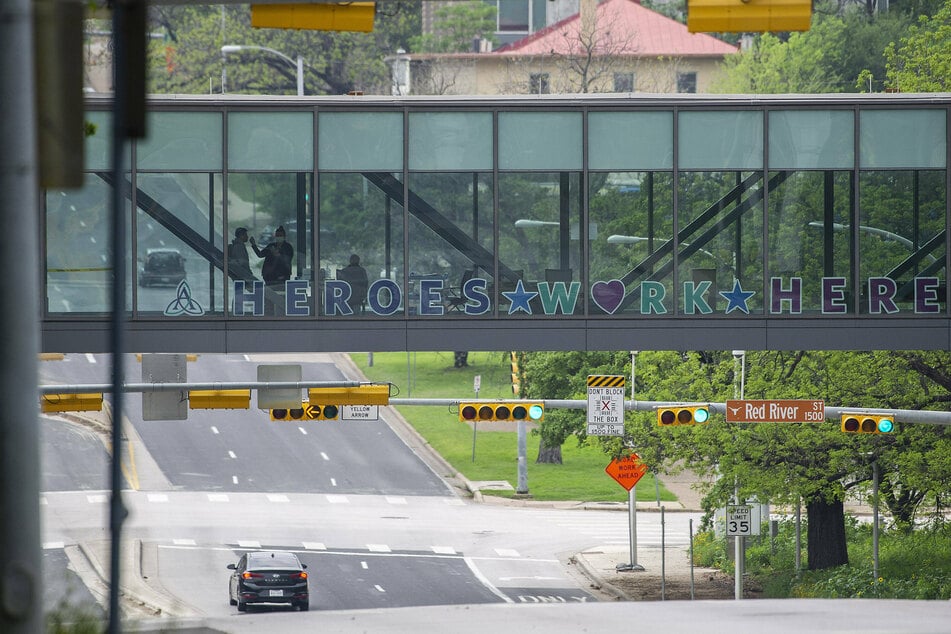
(782, 463)
(189, 60)
(843, 43)
(455, 26)
(921, 62)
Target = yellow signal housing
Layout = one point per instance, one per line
(358, 395)
(219, 399)
(352, 16)
(71, 402)
(748, 16)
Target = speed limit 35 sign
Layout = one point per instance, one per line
(739, 521)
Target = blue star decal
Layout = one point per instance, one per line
(737, 298)
(520, 298)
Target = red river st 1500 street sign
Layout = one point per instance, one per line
(782, 411)
(626, 471)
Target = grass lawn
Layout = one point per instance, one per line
(432, 375)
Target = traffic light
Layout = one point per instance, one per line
(868, 423)
(692, 415)
(306, 412)
(474, 412)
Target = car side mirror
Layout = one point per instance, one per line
(232, 567)
(304, 566)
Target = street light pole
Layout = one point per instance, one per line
(298, 64)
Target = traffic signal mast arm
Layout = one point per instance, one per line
(831, 413)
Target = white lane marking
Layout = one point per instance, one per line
(453, 501)
(249, 543)
(157, 497)
(98, 498)
(90, 358)
(234, 479)
(324, 456)
(506, 552)
(338, 499)
(364, 565)
(217, 497)
(443, 550)
(53, 545)
(395, 500)
(302, 430)
(277, 497)
(43, 501)
(314, 546)
(214, 430)
(379, 588)
(232, 455)
(183, 542)
(378, 548)
(333, 482)
(484, 580)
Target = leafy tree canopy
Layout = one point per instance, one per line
(189, 60)
(841, 44)
(455, 26)
(921, 62)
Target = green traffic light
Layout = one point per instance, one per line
(535, 412)
(886, 425)
(701, 415)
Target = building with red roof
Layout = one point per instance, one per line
(611, 46)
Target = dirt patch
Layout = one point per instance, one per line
(708, 584)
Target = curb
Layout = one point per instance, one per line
(596, 579)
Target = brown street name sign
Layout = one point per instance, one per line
(781, 411)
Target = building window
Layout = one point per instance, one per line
(538, 84)
(514, 15)
(623, 82)
(687, 82)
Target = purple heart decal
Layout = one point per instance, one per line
(608, 295)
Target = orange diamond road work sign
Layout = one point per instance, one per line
(627, 471)
(788, 411)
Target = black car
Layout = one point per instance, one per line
(269, 577)
(162, 267)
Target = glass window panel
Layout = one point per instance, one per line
(181, 141)
(370, 141)
(720, 241)
(902, 138)
(78, 249)
(262, 204)
(513, 15)
(359, 215)
(539, 243)
(811, 139)
(450, 242)
(98, 146)
(902, 223)
(270, 141)
(630, 140)
(810, 241)
(450, 141)
(179, 239)
(631, 218)
(540, 140)
(721, 140)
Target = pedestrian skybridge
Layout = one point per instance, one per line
(594, 222)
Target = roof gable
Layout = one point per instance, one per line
(624, 27)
